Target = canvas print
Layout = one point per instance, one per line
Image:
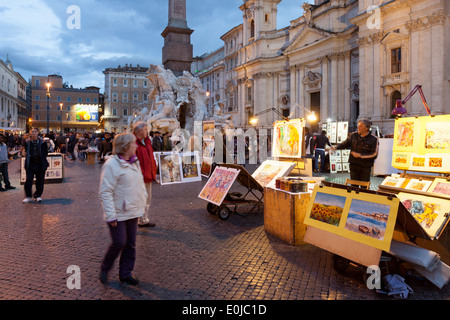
(431, 213)
(287, 139)
(396, 182)
(269, 170)
(169, 167)
(218, 185)
(190, 167)
(419, 185)
(328, 208)
(441, 186)
(206, 166)
(405, 134)
(368, 218)
(437, 135)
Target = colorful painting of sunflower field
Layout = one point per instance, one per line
(328, 208)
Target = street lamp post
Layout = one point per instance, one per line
(48, 106)
(60, 117)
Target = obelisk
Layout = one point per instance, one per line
(177, 50)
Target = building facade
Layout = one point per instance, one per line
(343, 59)
(126, 93)
(13, 103)
(59, 112)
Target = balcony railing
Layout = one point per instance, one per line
(395, 78)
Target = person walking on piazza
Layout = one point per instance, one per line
(319, 144)
(4, 159)
(35, 166)
(106, 147)
(123, 197)
(147, 161)
(71, 143)
(363, 147)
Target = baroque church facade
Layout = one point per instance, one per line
(343, 59)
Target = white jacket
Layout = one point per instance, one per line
(122, 190)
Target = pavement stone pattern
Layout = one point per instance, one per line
(189, 255)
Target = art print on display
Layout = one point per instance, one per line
(393, 182)
(419, 185)
(206, 166)
(437, 136)
(366, 218)
(269, 170)
(406, 134)
(169, 167)
(328, 208)
(441, 186)
(190, 166)
(431, 213)
(218, 185)
(287, 139)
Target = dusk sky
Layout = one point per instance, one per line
(37, 39)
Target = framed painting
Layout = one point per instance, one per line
(395, 182)
(406, 134)
(326, 208)
(370, 219)
(169, 167)
(418, 184)
(362, 217)
(436, 134)
(431, 213)
(269, 170)
(218, 185)
(288, 138)
(190, 167)
(400, 160)
(441, 186)
(206, 166)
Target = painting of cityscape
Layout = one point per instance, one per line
(368, 218)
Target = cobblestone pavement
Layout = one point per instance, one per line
(189, 255)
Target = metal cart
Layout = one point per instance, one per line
(253, 196)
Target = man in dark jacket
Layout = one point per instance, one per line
(35, 165)
(147, 162)
(320, 143)
(363, 147)
(157, 143)
(105, 147)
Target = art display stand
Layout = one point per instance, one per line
(410, 229)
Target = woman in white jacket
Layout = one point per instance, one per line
(123, 197)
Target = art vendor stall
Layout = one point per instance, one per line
(405, 219)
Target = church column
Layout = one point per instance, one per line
(437, 69)
(333, 105)
(362, 79)
(347, 86)
(301, 98)
(324, 92)
(293, 87)
(376, 78)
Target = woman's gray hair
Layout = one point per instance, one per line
(122, 142)
(366, 122)
(139, 126)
